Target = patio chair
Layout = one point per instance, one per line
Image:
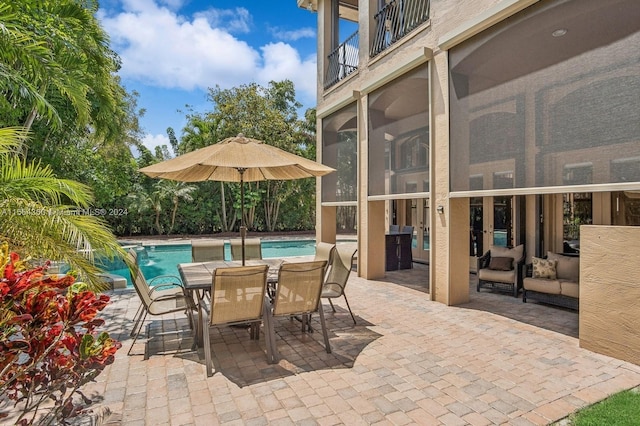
(252, 248)
(160, 299)
(394, 229)
(297, 294)
(325, 251)
(164, 283)
(338, 276)
(207, 250)
(237, 297)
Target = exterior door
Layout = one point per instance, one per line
(420, 222)
(491, 223)
(502, 222)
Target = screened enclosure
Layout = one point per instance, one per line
(399, 136)
(548, 98)
(340, 151)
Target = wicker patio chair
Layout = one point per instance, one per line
(163, 298)
(338, 276)
(207, 250)
(252, 248)
(237, 297)
(297, 294)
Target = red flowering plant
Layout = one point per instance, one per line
(49, 343)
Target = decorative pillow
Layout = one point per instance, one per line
(544, 268)
(501, 263)
(568, 268)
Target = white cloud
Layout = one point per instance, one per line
(280, 60)
(293, 35)
(236, 20)
(161, 48)
(152, 141)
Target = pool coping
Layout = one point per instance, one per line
(157, 240)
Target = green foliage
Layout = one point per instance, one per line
(268, 114)
(58, 78)
(47, 217)
(56, 56)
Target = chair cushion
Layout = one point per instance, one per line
(567, 268)
(501, 263)
(497, 276)
(542, 285)
(544, 268)
(516, 253)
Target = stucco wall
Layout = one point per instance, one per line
(610, 291)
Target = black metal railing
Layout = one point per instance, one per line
(395, 20)
(342, 61)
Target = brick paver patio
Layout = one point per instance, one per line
(408, 360)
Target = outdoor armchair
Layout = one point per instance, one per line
(237, 297)
(297, 294)
(338, 275)
(160, 299)
(501, 268)
(207, 250)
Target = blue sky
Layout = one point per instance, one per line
(172, 51)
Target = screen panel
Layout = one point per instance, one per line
(551, 88)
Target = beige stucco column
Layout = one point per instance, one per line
(449, 263)
(371, 260)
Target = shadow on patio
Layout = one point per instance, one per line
(242, 360)
(548, 317)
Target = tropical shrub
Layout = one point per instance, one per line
(49, 342)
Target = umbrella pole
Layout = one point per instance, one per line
(243, 229)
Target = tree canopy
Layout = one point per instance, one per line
(58, 78)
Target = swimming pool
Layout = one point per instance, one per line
(162, 259)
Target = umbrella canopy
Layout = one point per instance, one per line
(237, 159)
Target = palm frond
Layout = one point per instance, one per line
(59, 233)
(37, 182)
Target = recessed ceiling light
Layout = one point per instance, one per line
(559, 32)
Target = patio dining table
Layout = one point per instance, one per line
(197, 279)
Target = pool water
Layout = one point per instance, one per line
(163, 259)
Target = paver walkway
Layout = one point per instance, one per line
(407, 361)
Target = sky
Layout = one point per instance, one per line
(172, 51)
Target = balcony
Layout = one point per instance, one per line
(343, 61)
(395, 20)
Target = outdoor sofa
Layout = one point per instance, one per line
(554, 280)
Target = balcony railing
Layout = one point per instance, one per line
(395, 20)
(342, 61)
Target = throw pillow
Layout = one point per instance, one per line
(501, 263)
(568, 268)
(544, 268)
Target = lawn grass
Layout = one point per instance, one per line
(621, 409)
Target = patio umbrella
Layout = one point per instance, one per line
(237, 159)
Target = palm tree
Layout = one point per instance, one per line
(44, 217)
(56, 50)
(176, 191)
